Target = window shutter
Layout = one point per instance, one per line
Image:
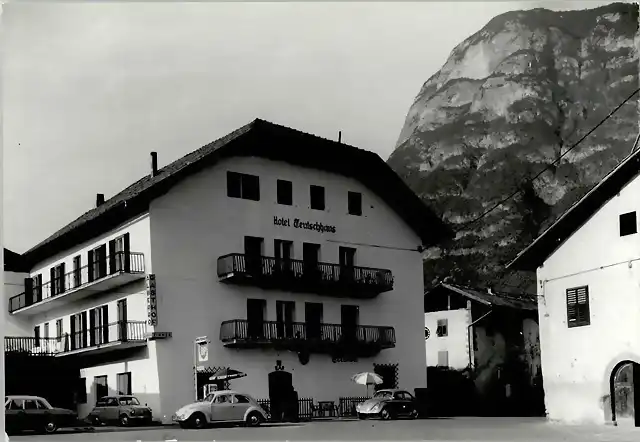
(572, 300)
(583, 305)
(105, 324)
(28, 291)
(127, 252)
(112, 256)
(52, 281)
(91, 264)
(92, 326)
(63, 278)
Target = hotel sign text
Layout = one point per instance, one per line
(299, 224)
(152, 306)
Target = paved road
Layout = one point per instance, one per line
(455, 429)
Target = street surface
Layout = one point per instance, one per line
(453, 429)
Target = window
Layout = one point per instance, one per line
(57, 279)
(36, 335)
(37, 288)
(30, 404)
(443, 359)
(124, 383)
(628, 224)
(242, 185)
(82, 390)
(355, 203)
(59, 330)
(223, 399)
(112, 402)
(101, 387)
(101, 402)
(316, 197)
(443, 328)
(285, 192)
(240, 399)
(77, 272)
(97, 263)
(578, 307)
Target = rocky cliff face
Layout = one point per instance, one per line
(509, 100)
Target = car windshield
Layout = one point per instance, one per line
(129, 400)
(382, 394)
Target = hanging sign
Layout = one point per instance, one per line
(152, 305)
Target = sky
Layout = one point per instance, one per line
(88, 90)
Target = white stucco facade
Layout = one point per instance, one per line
(196, 223)
(184, 233)
(577, 362)
(457, 341)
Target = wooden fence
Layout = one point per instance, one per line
(347, 405)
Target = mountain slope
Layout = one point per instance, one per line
(509, 100)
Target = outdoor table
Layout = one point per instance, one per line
(324, 406)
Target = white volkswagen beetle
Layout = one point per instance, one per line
(221, 406)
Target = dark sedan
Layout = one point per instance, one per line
(389, 404)
(36, 414)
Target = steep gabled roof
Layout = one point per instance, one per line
(499, 299)
(13, 262)
(260, 139)
(551, 239)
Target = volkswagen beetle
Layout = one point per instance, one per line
(221, 406)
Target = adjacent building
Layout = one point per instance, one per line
(489, 337)
(588, 276)
(268, 247)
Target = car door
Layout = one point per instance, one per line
(241, 404)
(34, 415)
(110, 412)
(14, 414)
(401, 403)
(222, 408)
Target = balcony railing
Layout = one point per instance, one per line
(91, 338)
(298, 275)
(315, 337)
(100, 270)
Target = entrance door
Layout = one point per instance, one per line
(285, 313)
(122, 320)
(313, 319)
(625, 402)
(253, 255)
(347, 263)
(283, 252)
(255, 317)
(350, 318)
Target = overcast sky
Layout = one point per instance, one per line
(90, 89)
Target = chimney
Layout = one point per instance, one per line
(490, 291)
(339, 136)
(99, 199)
(154, 163)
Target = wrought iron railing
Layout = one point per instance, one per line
(120, 262)
(130, 331)
(276, 331)
(299, 270)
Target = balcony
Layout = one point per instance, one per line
(97, 340)
(361, 340)
(300, 276)
(105, 274)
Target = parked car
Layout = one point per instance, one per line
(124, 410)
(221, 406)
(36, 413)
(389, 404)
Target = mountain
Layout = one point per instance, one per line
(509, 101)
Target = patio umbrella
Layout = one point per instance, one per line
(366, 378)
(226, 374)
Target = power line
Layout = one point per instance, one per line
(486, 212)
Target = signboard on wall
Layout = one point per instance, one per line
(202, 351)
(297, 223)
(152, 305)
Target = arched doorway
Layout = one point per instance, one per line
(623, 398)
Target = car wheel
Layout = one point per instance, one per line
(95, 421)
(197, 420)
(254, 419)
(413, 414)
(124, 420)
(385, 415)
(50, 427)
(361, 416)
(183, 425)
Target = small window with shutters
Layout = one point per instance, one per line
(578, 307)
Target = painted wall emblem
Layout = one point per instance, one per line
(427, 333)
